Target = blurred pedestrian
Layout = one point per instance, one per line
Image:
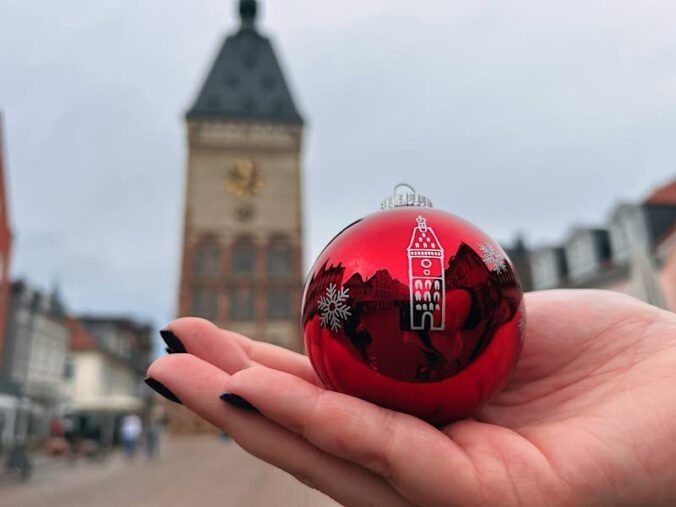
(71, 431)
(2, 429)
(57, 444)
(154, 426)
(130, 431)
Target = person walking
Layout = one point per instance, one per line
(130, 431)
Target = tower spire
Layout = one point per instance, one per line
(246, 81)
(248, 9)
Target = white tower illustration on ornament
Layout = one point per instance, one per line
(426, 279)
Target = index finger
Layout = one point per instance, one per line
(232, 351)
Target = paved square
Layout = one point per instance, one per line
(191, 471)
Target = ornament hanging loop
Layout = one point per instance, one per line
(400, 199)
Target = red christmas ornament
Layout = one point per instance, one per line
(414, 309)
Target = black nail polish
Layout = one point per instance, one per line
(161, 389)
(237, 401)
(172, 341)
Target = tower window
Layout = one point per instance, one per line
(279, 260)
(243, 257)
(242, 304)
(205, 303)
(208, 259)
(279, 303)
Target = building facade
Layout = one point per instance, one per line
(628, 231)
(36, 348)
(241, 263)
(548, 267)
(587, 251)
(426, 278)
(104, 373)
(7, 399)
(635, 253)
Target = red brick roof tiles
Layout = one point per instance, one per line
(666, 194)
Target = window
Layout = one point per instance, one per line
(243, 257)
(627, 232)
(69, 369)
(205, 303)
(619, 241)
(636, 230)
(279, 303)
(581, 253)
(545, 270)
(279, 258)
(241, 304)
(106, 379)
(208, 259)
(577, 258)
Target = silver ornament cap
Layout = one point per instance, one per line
(409, 197)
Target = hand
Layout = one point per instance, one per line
(588, 417)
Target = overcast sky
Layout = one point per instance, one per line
(520, 116)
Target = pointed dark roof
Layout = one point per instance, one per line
(245, 80)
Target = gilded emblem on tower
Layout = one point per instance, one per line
(244, 179)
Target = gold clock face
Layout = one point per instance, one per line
(244, 179)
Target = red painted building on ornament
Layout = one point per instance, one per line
(426, 278)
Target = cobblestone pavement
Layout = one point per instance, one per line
(191, 471)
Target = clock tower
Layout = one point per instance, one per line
(242, 239)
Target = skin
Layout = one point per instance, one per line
(587, 418)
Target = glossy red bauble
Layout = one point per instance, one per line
(415, 310)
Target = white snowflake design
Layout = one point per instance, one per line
(522, 320)
(493, 258)
(332, 307)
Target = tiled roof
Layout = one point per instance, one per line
(664, 195)
(246, 80)
(80, 337)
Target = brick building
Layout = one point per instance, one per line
(33, 364)
(5, 247)
(7, 395)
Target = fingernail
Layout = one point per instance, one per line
(172, 341)
(160, 388)
(237, 401)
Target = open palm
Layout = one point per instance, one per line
(588, 417)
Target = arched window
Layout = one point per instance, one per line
(243, 257)
(208, 259)
(242, 304)
(279, 260)
(279, 303)
(205, 303)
